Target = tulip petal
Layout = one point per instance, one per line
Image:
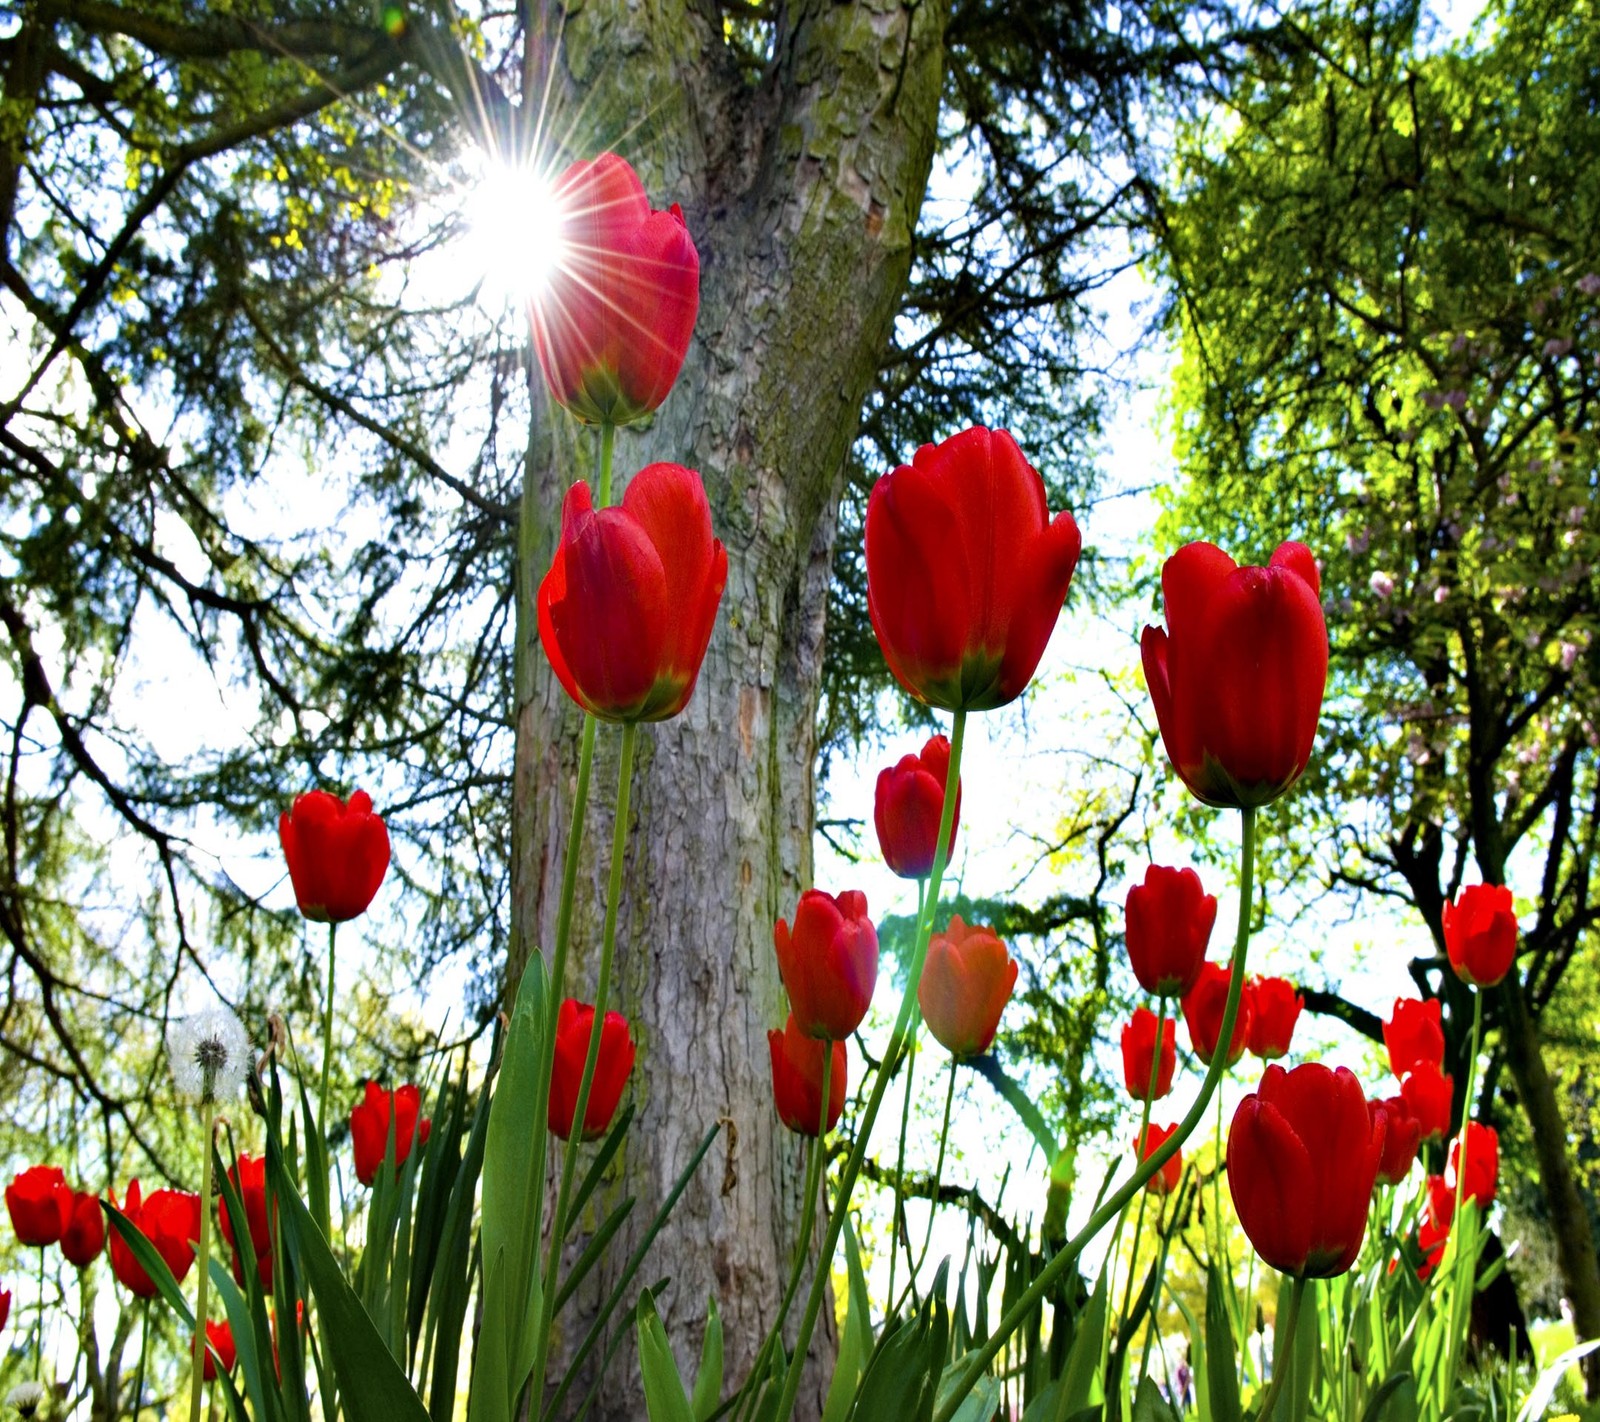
(1270, 1179)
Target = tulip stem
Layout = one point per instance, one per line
(558, 1221)
(1451, 1353)
(144, 1350)
(980, 1358)
(608, 439)
(1283, 1349)
(208, 1112)
(900, 1163)
(1138, 1228)
(897, 1045)
(933, 1197)
(38, 1322)
(808, 1214)
(327, 1042)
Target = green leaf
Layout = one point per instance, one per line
(592, 1252)
(981, 1403)
(1379, 1400)
(603, 1157)
(1149, 1405)
(855, 1343)
(1197, 1360)
(708, 1379)
(371, 1384)
(1083, 1362)
(663, 1388)
(1222, 1383)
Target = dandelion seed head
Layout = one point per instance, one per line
(25, 1397)
(210, 1054)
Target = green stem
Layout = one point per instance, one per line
(808, 1214)
(608, 439)
(558, 1221)
(900, 1162)
(1138, 1229)
(327, 1039)
(1283, 1349)
(203, 1253)
(38, 1324)
(897, 1044)
(1451, 1349)
(933, 1199)
(144, 1349)
(981, 1357)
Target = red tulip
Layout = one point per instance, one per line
(574, 1023)
(1480, 934)
(1203, 1009)
(1165, 1180)
(170, 1220)
(1402, 1136)
(1139, 1054)
(612, 324)
(369, 1134)
(1303, 1152)
(966, 571)
(337, 853)
(966, 983)
(1481, 1175)
(1237, 682)
(907, 807)
(1169, 921)
(85, 1234)
(1433, 1229)
(797, 1078)
(249, 1178)
(40, 1204)
(1274, 1009)
(1413, 1035)
(829, 962)
(5, 1307)
(626, 610)
(1428, 1094)
(219, 1345)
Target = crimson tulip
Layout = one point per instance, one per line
(1274, 1010)
(797, 1059)
(219, 1347)
(907, 807)
(1480, 934)
(1169, 921)
(1481, 1174)
(170, 1220)
(966, 571)
(39, 1202)
(1203, 1009)
(1433, 1228)
(1402, 1136)
(1165, 1180)
(828, 962)
(85, 1234)
(626, 610)
(1303, 1152)
(1413, 1035)
(1139, 1054)
(574, 1024)
(967, 980)
(5, 1307)
(369, 1138)
(338, 854)
(249, 1176)
(612, 323)
(1428, 1094)
(1237, 680)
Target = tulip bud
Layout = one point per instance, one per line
(1165, 1180)
(907, 807)
(1402, 1136)
(1303, 1152)
(966, 983)
(249, 1176)
(1413, 1035)
(612, 324)
(219, 1346)
(1203, 1011)
(829, 962)
(1480, 934)
(1428, 1094)
(797, 1060)
(170, 1220)
(1480, 1175)
(1237, 676)
(574, 1024)
(39, 1202)
(966, 571)
(85, 1234)
(1139, 1054)
(1169, 921)
(369, 1131)
(1274, 1010)
(337, 854)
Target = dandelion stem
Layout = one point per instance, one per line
(208, 1110)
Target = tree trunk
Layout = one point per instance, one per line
(1569, 1218)
(802, 196)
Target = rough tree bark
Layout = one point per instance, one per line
(802, 193)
